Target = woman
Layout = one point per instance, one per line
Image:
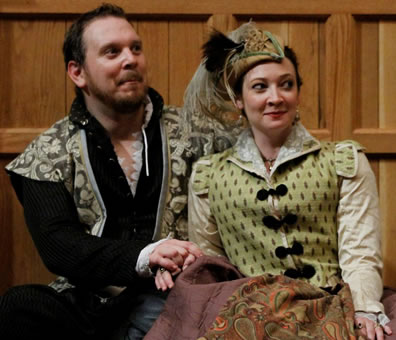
(280, 201)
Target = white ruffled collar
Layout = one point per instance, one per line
(299, 142)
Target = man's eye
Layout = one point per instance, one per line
(137, 48)
(111, 51)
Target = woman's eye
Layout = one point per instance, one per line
(288, 84)
(259, 86)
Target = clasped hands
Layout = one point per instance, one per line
(171, 257)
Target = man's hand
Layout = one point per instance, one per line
(172, 256)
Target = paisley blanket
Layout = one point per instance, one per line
(212, 300)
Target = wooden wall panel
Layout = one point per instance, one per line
(31, 54)
(26, 262)
(323, 119)
(387, 72)
(375, 163)
(70, 92)
(204, 7)
(346, 60)
(304, 39)
(339, 77)
(21, 262)
(155, 36)
(185, 41)
(387, 183)
(222, 22)
(367, 74)
(6, 227)
(387, 119)
(377, 133)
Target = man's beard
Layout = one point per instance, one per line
(126, 104)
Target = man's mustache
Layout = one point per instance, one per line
(131, 76)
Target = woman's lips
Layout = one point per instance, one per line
(275, 114)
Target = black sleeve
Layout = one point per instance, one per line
(63, 244)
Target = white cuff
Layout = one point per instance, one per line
(142, 265)
(380, 318)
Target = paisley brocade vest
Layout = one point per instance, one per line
(60, 154)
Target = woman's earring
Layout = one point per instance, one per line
(241, 117)
(297, 116)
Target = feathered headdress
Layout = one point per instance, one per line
(225, 60)
(217, 50)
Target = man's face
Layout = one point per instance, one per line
(114, 70)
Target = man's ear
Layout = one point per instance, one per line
(76, 73)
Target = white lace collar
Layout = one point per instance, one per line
(148, 111)
(299, 142)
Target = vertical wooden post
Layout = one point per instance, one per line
(339, 78)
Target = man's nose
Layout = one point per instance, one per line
(129, 59)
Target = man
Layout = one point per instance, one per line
(103, 201)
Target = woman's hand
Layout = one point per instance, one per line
(164, 278)
(370, 329)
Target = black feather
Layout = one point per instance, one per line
(216, 49)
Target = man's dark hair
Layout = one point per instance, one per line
(73, 45)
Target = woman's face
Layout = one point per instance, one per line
(270, 97)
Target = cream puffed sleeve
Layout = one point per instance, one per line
(202, 228)
(359, 235)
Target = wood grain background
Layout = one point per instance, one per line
(347, 53)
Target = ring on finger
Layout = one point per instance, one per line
(360, 326)
(377, 325)
(162, 270)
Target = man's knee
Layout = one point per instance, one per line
(35, 310)
(147, 309)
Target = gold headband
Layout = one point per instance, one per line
(259, 45)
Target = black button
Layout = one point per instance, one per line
(293, 273)
(332, 290)
(290, 219)
(273, 223)
(262, 195)
(296, 249)
(306, 272)
(280, 190)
